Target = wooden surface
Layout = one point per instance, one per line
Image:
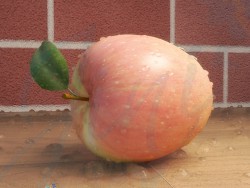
(41, 149)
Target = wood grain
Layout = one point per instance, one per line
(41, 149)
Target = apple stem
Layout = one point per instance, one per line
(73, 96)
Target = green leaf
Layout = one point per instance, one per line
(49, 68)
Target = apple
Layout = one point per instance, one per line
(146, 98)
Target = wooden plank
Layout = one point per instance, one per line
(39, 149)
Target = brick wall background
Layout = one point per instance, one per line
(216, 32)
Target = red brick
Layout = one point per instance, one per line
(213, 22)
(89, 20)
(25, 20)
(239, 77)
(17, 86)
(213, 63)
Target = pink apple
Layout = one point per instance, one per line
(147, 98)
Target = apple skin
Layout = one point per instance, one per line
(147, 98)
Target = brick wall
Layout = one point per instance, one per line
(216, 32)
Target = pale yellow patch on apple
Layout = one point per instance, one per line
(91, 142)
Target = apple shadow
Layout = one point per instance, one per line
(76, 160)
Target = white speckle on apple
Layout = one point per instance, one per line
(182, 49)
(157, 54)
(146, 68)
(195, 58)
(102, 38)
(155, 44)
(127, 106)
(157, 82)
(173, 90)
(141, 100)
(131, 66)
(123, 131)
(118, 141)
(163, 77)
(125, 121)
